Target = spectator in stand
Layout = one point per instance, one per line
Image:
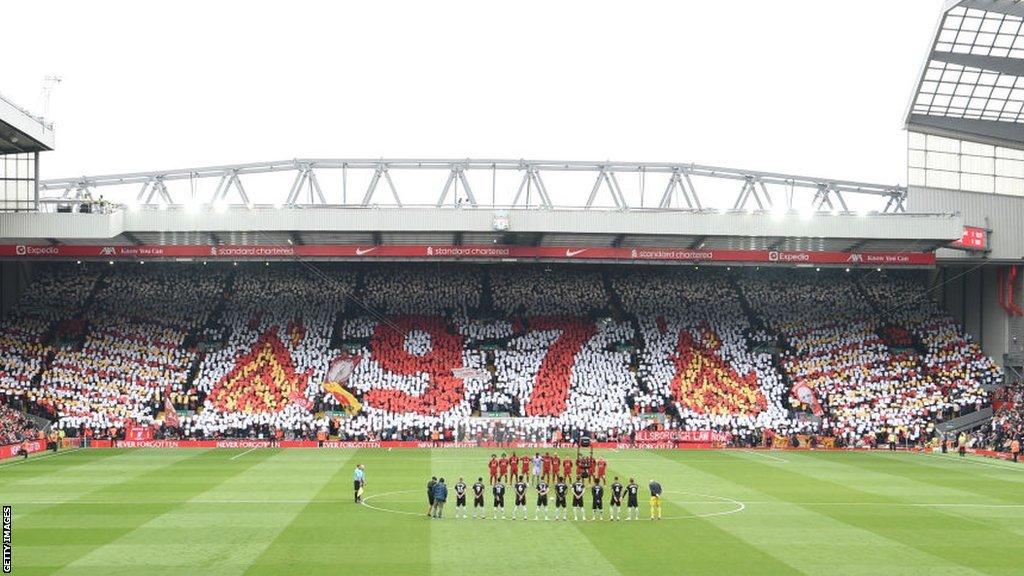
(14, 426)
(558, 352)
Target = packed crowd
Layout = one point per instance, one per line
(14, 426)
(1007, 423)
(547, 353)
(697, 360)
(134, 349)
(56, 296)
(864, 387)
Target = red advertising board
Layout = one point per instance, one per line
(486, 252)
(698, 439)
(684, 436)
(11, 450)
(974, 238)
(139, 433)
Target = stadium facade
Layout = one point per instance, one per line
(960, 216)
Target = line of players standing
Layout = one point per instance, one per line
(544, 469)
(549, 467)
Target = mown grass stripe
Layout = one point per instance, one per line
(55, 537)
(692, 545)
(328, 536)
(924, 529)
(221, 541)
(964, 479)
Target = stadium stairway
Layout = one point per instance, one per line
(213, 320)
(38, 421)
(966, 422)
(756, 324)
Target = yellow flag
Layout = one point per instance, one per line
(344, 397)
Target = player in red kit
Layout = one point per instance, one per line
(513, 463)
(492, 467)
(601, 466)
(502, 466)
(546, 466)
(524, 466)
(567, 468)
(556, 465)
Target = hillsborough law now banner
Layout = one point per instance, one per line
(488, 252)
(682, 436)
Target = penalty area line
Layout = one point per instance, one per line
(242, 454)
(976, 460)
(769, 456)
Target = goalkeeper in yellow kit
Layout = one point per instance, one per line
(655, 499)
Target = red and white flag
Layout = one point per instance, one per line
(170, 414)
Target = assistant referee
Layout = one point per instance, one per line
(358, 480)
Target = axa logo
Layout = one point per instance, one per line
(855, 258)
(570, 253)
(365, 251)
(108, 251)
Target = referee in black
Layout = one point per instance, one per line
(430, 495)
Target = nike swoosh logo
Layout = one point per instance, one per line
(571, 253)
(363, 251)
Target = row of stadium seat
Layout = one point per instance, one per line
(247, 349)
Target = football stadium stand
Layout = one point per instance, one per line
(548, 352)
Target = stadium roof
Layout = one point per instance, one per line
(972, 85)
(22, 132)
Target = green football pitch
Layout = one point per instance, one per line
(274, 511)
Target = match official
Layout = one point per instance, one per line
(358, 480)
(430, 495)
(440, 496)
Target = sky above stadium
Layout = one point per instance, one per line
(804, 86)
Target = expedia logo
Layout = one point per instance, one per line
(37, 251)
(775, 256)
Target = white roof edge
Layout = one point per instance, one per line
(924, 65)
(22, 120)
